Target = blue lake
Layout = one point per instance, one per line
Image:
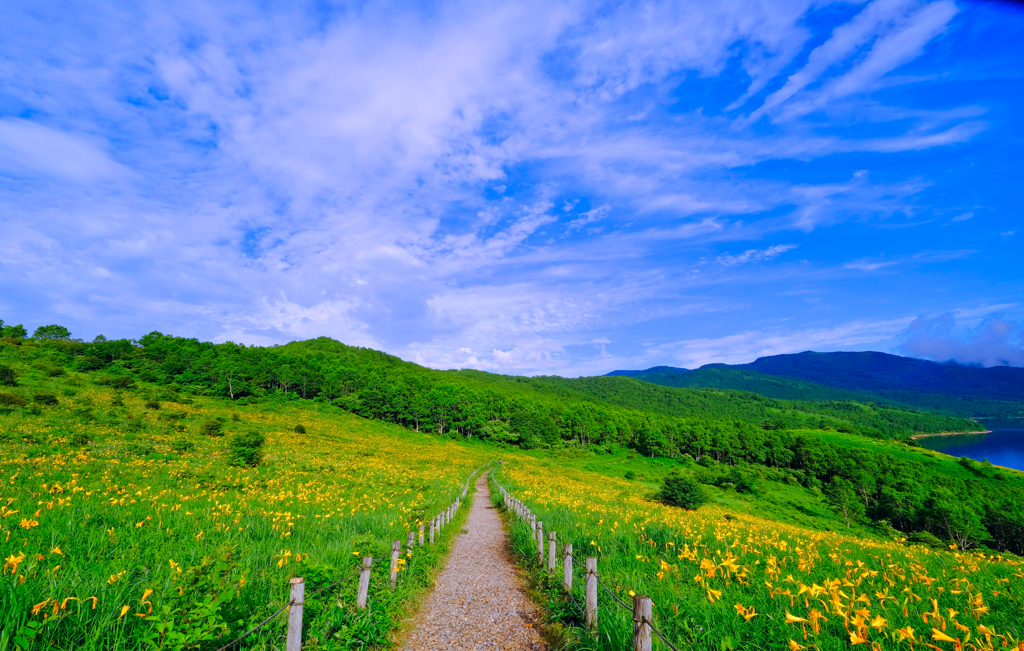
(1004, 446)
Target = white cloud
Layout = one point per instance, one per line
(755, 255)
(399, 178)
(27, 146)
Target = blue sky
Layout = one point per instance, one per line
(529, 187)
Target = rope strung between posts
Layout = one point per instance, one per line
(660, 634)
(338, 582)
(258, 626)
(615, 597)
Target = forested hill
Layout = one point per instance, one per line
(741, 438)
(862, 376)
(522, 411)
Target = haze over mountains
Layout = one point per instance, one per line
(862, 376)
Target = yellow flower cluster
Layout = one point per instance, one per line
(831, 590)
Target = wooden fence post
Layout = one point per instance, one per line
(540, 543)
(642, 623)
(567, 568)
(421, 535)
(364, 582)
(294, 639)
(412, 541)
(551, 553)
(396, 551)
(433, 525)
(591, 592)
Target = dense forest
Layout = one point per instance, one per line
(735, 436)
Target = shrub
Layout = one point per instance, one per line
(630, 475)
(152, 404)
(926, 538)
(89, 363)
(79, 439)
(11, 399)
(44, 398)
(683, 491)
(211, 427)
(299, 429)
(246, 449)
(181, 445)
(122, 382)
(8, 377)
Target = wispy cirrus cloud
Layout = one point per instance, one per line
(485, 184)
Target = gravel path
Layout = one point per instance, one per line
(479, 601)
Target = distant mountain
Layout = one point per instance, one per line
(860, 376)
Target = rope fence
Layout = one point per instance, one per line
(642, 608)
(298, 595)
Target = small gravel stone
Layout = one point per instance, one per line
(479, 601)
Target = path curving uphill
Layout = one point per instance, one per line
(479, 601)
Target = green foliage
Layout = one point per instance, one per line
(13, 332)
(10, 399)
(299, 429)
(842, 496)
(182, 444)
(44, 398)
(212, 427)
(683, 491)
(152, 404)
(246, 448)
(630, 475)
(736, 438)
(52, 332)
(8, 376)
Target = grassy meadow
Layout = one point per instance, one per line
(123, 526)
(137, 515)
(724, 578)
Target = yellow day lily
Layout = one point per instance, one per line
(124, 609)
(942, 637)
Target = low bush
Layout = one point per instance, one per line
(683, 491)
(44, 398)
(246, 449)
(8, 376)
(212, 427)
(11, 399)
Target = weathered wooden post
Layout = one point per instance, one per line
(421, 535)
(294, 639)
(396, 551)
(642, 623)
(412, 541)
(591, 592)
(567, 568)
(364, 582)
(551, 553)
(540, 543)
(433, 526)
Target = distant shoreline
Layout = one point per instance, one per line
(921, 436)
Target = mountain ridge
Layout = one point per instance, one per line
(880, 377)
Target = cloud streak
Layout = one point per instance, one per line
(484, 184)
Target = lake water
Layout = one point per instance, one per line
(1004, 446)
